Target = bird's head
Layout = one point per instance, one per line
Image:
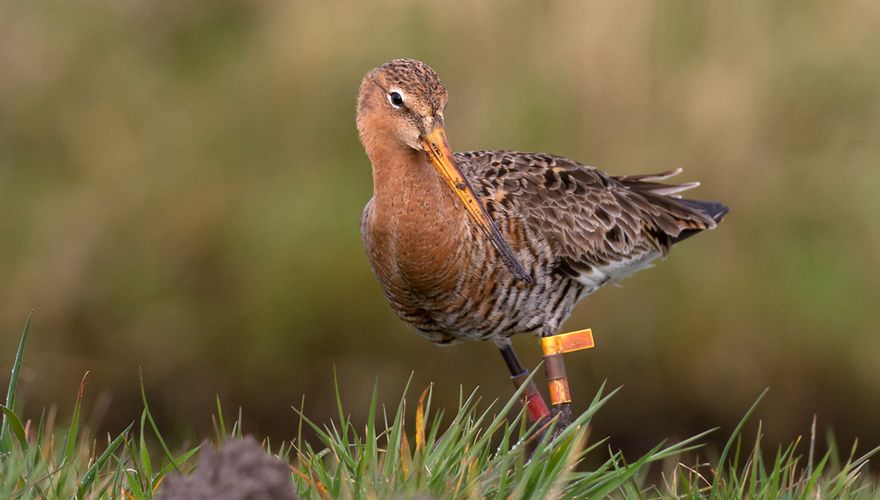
(401, 101)
(400, 107)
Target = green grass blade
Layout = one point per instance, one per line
(13, 384)
(181, 459)
(733, 437)
(73, 430)
(14, 424)
(144, 453)
(220, 423)
(343, 421)
(38, 440)
(155, 428)
(92, 472)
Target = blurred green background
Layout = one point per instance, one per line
(181, 186)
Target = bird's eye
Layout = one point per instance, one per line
(395, 99)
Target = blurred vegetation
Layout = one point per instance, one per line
(181, 187)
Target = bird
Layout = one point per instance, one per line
(484, 245)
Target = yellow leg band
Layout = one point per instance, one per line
(554, 347)
(567, 342)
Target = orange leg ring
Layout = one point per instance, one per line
(557, 380)
(554, 366)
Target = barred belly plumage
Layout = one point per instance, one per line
(487, 303)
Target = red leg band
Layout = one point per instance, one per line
(536, 407)
(533, 401)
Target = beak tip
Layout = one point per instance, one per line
(520, 274)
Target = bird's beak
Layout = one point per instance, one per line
(440, 155)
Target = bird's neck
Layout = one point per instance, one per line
(415, 212)
(409, 191)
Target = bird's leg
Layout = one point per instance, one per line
(554, 346)
(557, 382)
(531, 397)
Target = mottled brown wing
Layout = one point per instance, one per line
(590, 219)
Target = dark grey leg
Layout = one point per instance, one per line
(531, 397)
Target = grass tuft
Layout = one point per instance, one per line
(479, 451)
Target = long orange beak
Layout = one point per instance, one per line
(440, 155)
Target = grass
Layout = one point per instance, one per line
(478, 451)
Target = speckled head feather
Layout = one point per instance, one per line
(415, 78)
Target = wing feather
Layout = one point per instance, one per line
(589, 218)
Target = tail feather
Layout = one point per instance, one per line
(661, 176)
(713, 209)
(650, 183)
(684, 217)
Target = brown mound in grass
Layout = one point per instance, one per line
(239, 470)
